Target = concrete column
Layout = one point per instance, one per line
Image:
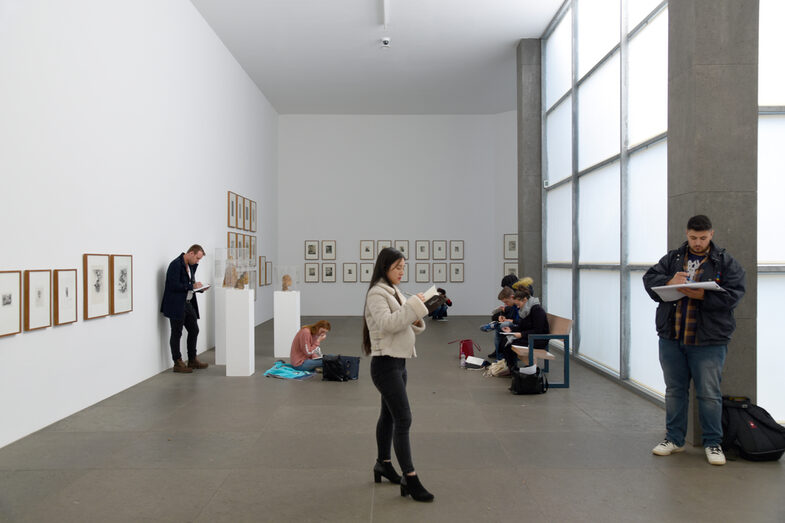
(713, 154)
(530, 229)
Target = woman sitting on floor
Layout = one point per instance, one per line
(535, 322)
(305, 353)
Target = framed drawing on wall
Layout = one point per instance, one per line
(328, 249)
(422, 250)
(247, 212)
(439, 272)
(511, 268)
(247, 244)
(456, 249)
(328, 272)
(262, 270)
(253, 216)
(95, 272)
(403, 246)
(252, 254)
(422, 272)
(38, 299)
(366, 250)
(350, 273)
(311, 249)
(382, 244)
(231, 244)
(64, 296)
(405, 277)
(268, 273)
(240, 212)
(121, 274)
(311, 273)
(456, 273)
(10, 302)
(510, 246)
(439, 249)
(231, 209)
(366, 272)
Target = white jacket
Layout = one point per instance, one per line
(390, 324)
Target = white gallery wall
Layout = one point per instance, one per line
(415, 177)
(122, 126)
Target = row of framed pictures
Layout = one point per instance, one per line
(50, 296)
(423, 249)
(241, 212)
(313, 248)
(239, 240)
(265, 271)
(423, 272)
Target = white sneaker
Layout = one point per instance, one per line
(666, 448)
(715, 455)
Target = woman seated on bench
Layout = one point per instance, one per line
(305, 353)
(536, 322)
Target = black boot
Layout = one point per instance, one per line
(411, 485)
(385, 468)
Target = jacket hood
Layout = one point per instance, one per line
(531, 302)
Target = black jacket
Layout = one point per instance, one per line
(715, 312)
(536, 322)
(176, 289)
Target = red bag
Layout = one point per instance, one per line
(466, 347)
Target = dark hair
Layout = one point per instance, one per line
(441, 291)
(506, 293)
(386, 259)
(508, 280)
(522, 294)
(700, 222)
(196, 249)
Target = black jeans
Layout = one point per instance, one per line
(395, 418)
(189, 321)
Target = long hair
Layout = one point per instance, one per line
(386, 259)
(314, 328)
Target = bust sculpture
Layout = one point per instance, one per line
(286, 282)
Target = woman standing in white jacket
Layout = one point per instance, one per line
(389, 327)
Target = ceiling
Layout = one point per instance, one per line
(326, 57)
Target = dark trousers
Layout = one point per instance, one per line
(395, 418)
(189, 322)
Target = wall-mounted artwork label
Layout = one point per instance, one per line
(121, 276)
(95, 270)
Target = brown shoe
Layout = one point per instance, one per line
(179, 366)
(196, 364)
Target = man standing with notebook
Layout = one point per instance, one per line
(694, 333)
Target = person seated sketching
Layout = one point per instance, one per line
(535, 322)
(305, 353)
(502, 316)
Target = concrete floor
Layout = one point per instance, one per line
(204, 447)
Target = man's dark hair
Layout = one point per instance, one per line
(700, 222)
(508, 280)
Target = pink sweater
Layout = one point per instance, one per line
(299, 353)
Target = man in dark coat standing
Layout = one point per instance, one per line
(180, 306)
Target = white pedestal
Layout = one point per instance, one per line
(240, 359)
(286, 317)
(220, 325)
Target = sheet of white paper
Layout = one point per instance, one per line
(671, 292)
(430, 293)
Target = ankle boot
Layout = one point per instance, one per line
(196, 364)
(411, 485)
(179, 366)
(385, 468)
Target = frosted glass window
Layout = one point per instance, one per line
(599, 321)
(648, 81)
(771, 357)
(559, 294)
(644, 342)
(771, 187)
(558, 127)
(647, 217)
(771, 42)
(558, 61)
(637, 10)
(559, 233)
(599, 215)
(599, 27)
(598, 115)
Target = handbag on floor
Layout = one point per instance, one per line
(528, 382)
(466, 347)
(340, 368)
(750, 431)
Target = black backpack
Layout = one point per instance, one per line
(750, 430)
(340, 368)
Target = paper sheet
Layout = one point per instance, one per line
(671, 292)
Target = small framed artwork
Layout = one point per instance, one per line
(422, 250)
(121, 274)
(253, 216)
(439, 272)
(510, 268)
(262, 270)
(38, 299)
(95, 271)
(328, 249)
(405, 277)
(231, 209)
(439, 249)
(456, 272)
(366, 250)
(510, 246)
(268, 273)
(456, 250)
(240, 212)
(403, 246)
(10, 302)
(350, 273)
(311, 273)
(422, 272)
(231, 244)
(311, 249)
(366, 272)
(328, 272)
(382, 244)
(252, 253)
(247, 211)
(247, 244)
(64, 297)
